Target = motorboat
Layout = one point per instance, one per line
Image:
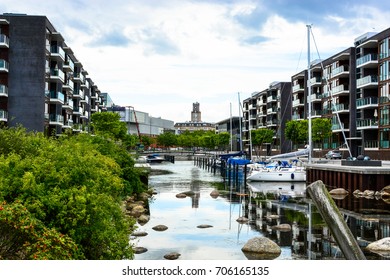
(154, 158)
(278, 171)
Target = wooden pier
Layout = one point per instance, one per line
(335, 174)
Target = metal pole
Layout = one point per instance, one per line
(309, 91)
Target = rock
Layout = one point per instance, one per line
(242, 220)
(181, 195)
(139, 250)
(272, 217)
(261, 248)
(139, 233)
(204, 226)
(137, 211)
(380, 245)
(214, 194)
(386, 191)
(338, 191)
(172, 256)
(339, 196)
(160, 228)
(143, 196)
(282, 227)
(143, 219)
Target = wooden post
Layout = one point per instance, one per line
(333, 218)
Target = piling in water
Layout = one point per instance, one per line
(333, 218)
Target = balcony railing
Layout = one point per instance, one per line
(340, 107)
(371, 144)
(368, 80)
(271, 98)
(56, 95)
(339, 70)
(3, 90)
(366, 102)
(372, 57)
(4, 41)
(297, 88)
(367, 123)
(58, 119)
(339, 89)
(3, 115)
(4, 66)
(57, 73)
(57, 51)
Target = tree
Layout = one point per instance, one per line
(167, 139)
(297, 131)
(108, 124)
(261, 136)
(74, 187)
(223, 140)
(321, 129)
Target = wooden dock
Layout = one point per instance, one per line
(334, 174)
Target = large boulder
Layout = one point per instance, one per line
(261, 248)
(282, 227)
(214, 194)
(172, 256)
(143, 219)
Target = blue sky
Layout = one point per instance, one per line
(160, 56)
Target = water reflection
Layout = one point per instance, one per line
(265, 205)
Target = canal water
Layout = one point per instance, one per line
(265, 207)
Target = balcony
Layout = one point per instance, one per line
(68, 104)
(315, 81)
(340, 108)
(4, 41)
(56, 97)
(3, 116)
(57, 74)
(272, 98)
(297, 103)
(3, 91)
(4, 66)
(297, 88)
(57, 53)
(340, 90)
(297, 117)
(340, 71)
(68, 65)
(272, 123)
(56, 119)
(371, 144)
(68, 124)
(367, 124)
(272, 110)
(368, 102)
(367, 82)
(77, 110)
(367, 61)
(315, 97)
(338, 128)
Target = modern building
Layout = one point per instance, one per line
(233, 127)
(351, 88)
(43, 86)
(140, 123)
(271, 109)
(196, 122)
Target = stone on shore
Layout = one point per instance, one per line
(139, 233)
(139, 250)
(160, 228)
(204, 226)
(172, 256)
(181, 195)
(214, 194)
(143, 219)
(261, 248)
(338, 191)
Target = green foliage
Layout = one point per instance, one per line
(108, 124)
(261, 136)
(167, 139)
(73, 186)
(321, 129)
(297, 131)
(25, 237)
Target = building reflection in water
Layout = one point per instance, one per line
(309, 237)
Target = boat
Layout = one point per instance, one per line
(154, 158)
(278, 171)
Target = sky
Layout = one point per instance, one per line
(161, 56)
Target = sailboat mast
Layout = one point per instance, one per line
(231, 129)
(239, 117)
(309, 92)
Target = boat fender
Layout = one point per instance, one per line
(292, 175)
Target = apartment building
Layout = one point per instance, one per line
(43, 86)
(269, 108)
(351, 88)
